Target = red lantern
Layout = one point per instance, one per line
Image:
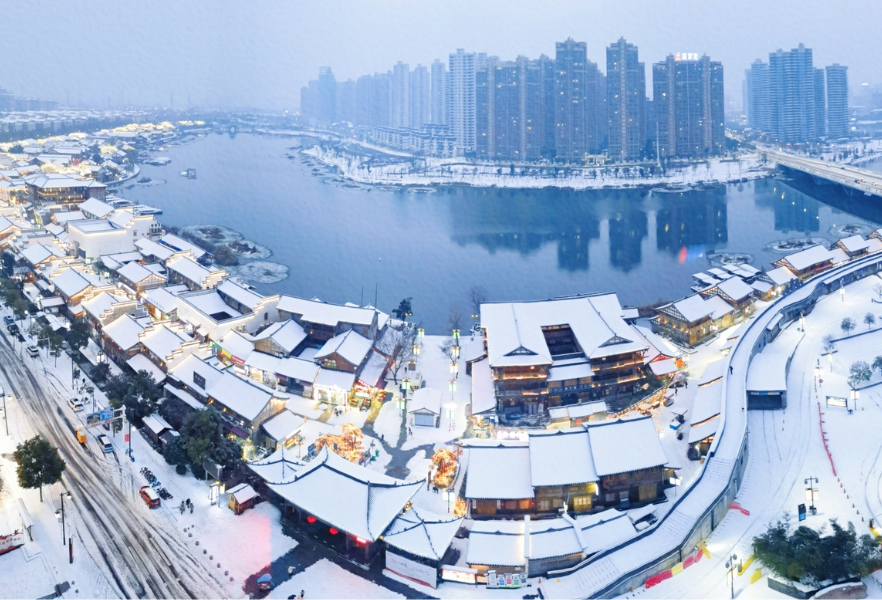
(333, 530)
(310, 519)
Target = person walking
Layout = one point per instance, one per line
(730, 369)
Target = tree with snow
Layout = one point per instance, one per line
(858, 372)
(847, 325)
(397, 344)
(39, 464)
(877, 364)
(869, 320)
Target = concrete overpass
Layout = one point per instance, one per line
(854, 180)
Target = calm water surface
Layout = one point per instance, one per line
(343, 244)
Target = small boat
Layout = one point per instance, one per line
(672, 189)
(188, 173)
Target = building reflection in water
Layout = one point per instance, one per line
(627, 229)
(691, 225)
(524, 221)
(794, 210)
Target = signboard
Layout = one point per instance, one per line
(505, 580)
(458, 574)
(411, 569)
(801, 512)
(126, 438)
(310, 451)
(834, 401)
(93, 419)
(106, 414)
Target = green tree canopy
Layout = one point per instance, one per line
(39, 464)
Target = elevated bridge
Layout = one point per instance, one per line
(853, 179)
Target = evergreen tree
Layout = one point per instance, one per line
(39, 464)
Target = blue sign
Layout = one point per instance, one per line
(311, 450)
(106, 414)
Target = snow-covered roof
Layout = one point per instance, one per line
(286, 334)
(768, 369)
(210, 303)
(236, 344)
(283, 425)
(496, 543)
(244, 397)
(702, 431)
(713, 372)
(162, 299)
(515, 336)
(189, 269)
(663, 367)
(60, 180)
(242, 493)
(140, 362)
(150, 248)
(134, 272)
(337, 379)
(422, 533)
(735, 288)
(178, 244)
(156, 424)
(781, 275)
(95, 208)
(373, 369)
(191, 364)
(101, 302)
(580, 411)
(279, 467)
(809, 257)
(761, 286)
(499, 472)
(351, 498)
(350, 345)
(162, 340)
(425, 400)
(247, 298)
(124, 332)
(37, 253)
(855, 243)
(560, 457)
(696, 307)
(296, 368)
(706, 404)
(483, 394)
(642, 450)
(316, 311)
(577, 370)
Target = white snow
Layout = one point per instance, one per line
(325, 580)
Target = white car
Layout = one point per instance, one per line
(76, 404)
(32, 351)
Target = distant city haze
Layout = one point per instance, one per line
(242, 55)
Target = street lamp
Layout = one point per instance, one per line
(5, 414)
(810, 492)
(731, 565)
(59, 514)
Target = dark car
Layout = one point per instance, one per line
(13, 328)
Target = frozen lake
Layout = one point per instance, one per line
(343, 243)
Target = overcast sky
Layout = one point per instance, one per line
(260, 54)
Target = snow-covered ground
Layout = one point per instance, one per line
(324, 579)
(786, 447)
(438, 172)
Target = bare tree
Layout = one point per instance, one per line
(827, 341)
(455, 317)
(477, 296)
(877, 287)
(446, 348)
(397, 344)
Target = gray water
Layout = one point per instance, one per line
(348, 244)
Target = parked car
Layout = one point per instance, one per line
(150, 497)
(12, 328)
(8, 320)
(105, 444)
(76, 404)
(32, 351)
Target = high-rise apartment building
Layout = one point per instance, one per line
(577, 88)
(626, 95)
(419, 97)
(820, 85)
(792, 95)
(326, 105)
(837, 101)
(460, 92)
(757, 104)
(438, 108)
(400, 98)
(688, 105)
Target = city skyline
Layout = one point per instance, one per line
(261, 58)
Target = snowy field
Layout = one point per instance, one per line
(324, 580)
(446, 172)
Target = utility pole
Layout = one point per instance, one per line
(731, 565)
(5, 414)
